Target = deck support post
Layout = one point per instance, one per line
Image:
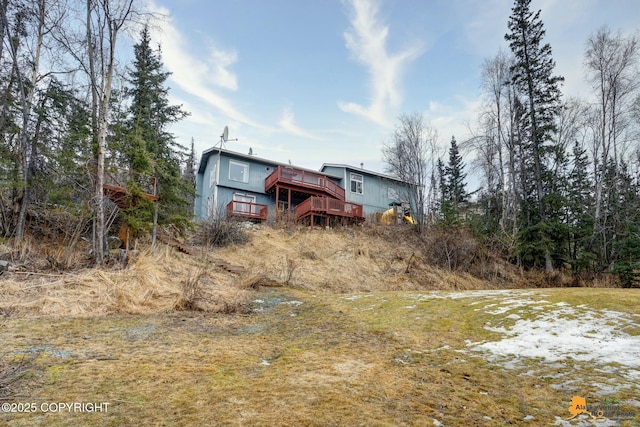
(289, 205)
(277, 200)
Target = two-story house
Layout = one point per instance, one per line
(235, 184)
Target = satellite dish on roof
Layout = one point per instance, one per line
(225, 137)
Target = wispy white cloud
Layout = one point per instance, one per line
(452, 120)
(219, 62)
(366, 39)
(192, 74)
(287, 123)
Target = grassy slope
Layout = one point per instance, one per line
(382, 357)
(332, 360)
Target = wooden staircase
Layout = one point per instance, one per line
(168, 240)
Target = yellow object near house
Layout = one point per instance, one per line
(395, 216)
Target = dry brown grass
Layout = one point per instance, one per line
(353, 259)
(341, 260)
(306, 359)
(153, 282)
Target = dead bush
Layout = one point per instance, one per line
(193, 292)
(221, 232)
(289, 267)
(454, 249)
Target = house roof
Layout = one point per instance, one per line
(215, 150)
(360, 170)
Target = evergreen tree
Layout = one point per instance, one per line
(625, 233)
(579, 207)
(455, 178)
(148, 148)
(442, 190)
(532, 75)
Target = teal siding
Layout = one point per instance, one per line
(258, 172)
(377, 192)
(336, 171)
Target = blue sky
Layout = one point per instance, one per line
(315, 81)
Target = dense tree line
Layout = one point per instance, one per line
(71, 115)
(560, 177)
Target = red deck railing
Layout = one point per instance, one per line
(303, 180)
(247, 210)
(327, 206)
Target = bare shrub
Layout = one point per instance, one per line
(193, 292)
(289, 266)
(220, 231)
(455, 249)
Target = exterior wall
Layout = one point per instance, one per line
(216, 191)
(258, 172)
(377, 191)
(337, 171)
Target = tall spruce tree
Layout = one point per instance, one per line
(532, 75)
(579, 211)
(454, 193)
(148, 147)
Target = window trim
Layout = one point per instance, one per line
(353, 178)
(241, 164)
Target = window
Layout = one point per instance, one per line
(243, 203)
(357, 182)
(238, 171)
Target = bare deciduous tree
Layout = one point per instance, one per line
(410, 156)
(105, 20)
(611, 61)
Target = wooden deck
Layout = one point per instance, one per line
(303, 182)
(249, 211)
(115, 188)
(330, 210)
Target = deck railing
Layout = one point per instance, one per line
(116, 177)
(327, 206)
(247, 210)
(304, 179)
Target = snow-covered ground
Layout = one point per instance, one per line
(566, 338)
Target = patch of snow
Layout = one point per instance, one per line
(265, 362)
(293, 303)
(585, 421)
(410, 306)
(437, 423)
(513, 304)
(585, 336)
(357, 297)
